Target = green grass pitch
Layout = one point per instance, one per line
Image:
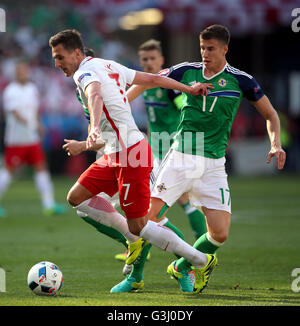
(255, 264)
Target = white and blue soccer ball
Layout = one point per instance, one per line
(45, 278)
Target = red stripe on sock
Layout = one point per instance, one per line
(166, 246)
(101, 204)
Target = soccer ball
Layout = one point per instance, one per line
(45, 278)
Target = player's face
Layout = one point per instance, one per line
(151, 61)
(22, 73)
(67, 61)
(213, 54)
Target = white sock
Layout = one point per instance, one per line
(168, 240)
(163, 221)
(44, 186)
(213, 241)
(101, 210)
(5, 180)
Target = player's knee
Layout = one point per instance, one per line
(136, 230)
(73, 198)
(220, 236)
(136, 225)
(157, 210)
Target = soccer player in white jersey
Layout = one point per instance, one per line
(22, 138)
(127, 163)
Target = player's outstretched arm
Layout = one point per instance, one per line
(264, 106)
(151, 81)
(134, 91)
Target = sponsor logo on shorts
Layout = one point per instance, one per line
(127, 204)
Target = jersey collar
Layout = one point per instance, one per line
(218, 73)
(84, 61)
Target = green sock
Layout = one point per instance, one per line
(203, 245)
(138, 265)
(196, 218)
(175, 229)
(107, 230)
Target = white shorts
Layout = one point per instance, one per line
(204, 179)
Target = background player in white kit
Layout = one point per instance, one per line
(22, 138)
(125, 166)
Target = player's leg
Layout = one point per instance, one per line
(35, 157)
(211, 193)
(163, 220)
(13, 159)
(104, 229)
(5, 180)
(99, 209)
(218, 223)
(170, 184)
(82, 195)
(195, 216)
(158, 235)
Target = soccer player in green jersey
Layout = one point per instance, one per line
(196, 161)
(163, 110)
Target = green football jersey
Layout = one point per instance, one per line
(206, 121)
(163, 111)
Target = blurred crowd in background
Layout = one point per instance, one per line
(262, 43)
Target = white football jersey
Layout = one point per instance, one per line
(118, 128)
(25, 100)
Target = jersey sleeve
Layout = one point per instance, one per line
(250, 88)
(84, 78)
(128, 73)
(10, 100)
(175, 72)
(175, 97)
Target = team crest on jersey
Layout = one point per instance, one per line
(161, 187)
(222, 82)
(164, 72)
(82, 76)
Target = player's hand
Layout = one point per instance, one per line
(280, 155)
(92, 137)
(74, 147)
(201, 88)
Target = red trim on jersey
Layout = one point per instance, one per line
(114, 127)
(90, 59)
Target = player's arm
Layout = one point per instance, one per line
(135, 91)
(75, 147)
(152, 81)
(19, 117)
(95, 106)
(266, 109)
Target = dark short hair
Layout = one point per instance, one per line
(218, 32)
(151, 45)
(69, 38)
(89, 52)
